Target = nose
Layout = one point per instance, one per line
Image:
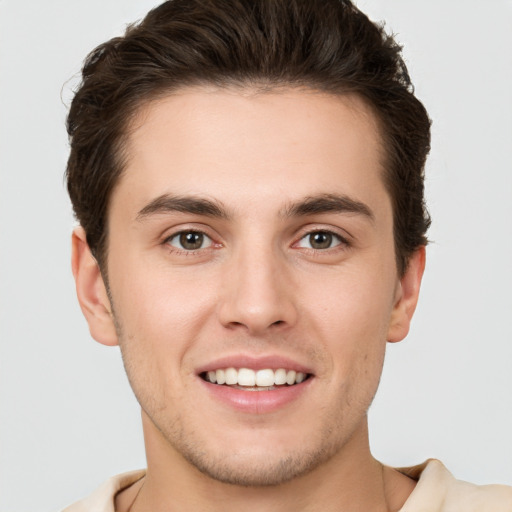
(258, 294)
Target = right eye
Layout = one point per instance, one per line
(190, 241)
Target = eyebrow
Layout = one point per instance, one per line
(312, 205)
(167, 203)
(328, 203)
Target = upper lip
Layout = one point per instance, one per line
(255, 363)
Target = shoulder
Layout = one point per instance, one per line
(438, 491)
(102, 499)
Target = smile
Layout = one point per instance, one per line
(279, 382)
(254, 380)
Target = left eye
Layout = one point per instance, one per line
(320, 240)
(190, 240)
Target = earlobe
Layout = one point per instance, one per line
(406, 299)
(91, 291)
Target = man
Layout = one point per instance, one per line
(248, 178)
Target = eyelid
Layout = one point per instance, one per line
(343, 236)
(177, 236)
(176, 231)
(336, 239)
(185, 227)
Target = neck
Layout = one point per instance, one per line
(351, 480)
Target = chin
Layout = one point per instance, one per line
(251, 471)
(261, 464)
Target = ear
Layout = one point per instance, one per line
(406, 297)
(91, 290)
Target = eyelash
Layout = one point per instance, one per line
(182, 250)
(342, 242)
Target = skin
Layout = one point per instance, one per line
(256, 287)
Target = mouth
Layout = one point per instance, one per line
(247, 379)
(256, 385)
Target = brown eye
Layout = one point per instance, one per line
(190, 240)
(320, 240)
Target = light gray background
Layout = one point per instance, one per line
(68, 419)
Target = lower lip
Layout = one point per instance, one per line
(257, 402)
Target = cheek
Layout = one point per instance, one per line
(162, 299)
(350, 316)
(160, 315)
(352, 304)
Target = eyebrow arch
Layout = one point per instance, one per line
(167, 203)
(328, 203)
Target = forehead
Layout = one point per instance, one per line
(243, 145)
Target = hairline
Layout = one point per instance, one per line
(253, 87)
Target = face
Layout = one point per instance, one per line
(252, 278)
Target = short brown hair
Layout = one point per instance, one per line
(326, 45)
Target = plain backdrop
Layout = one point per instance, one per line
(68, 419)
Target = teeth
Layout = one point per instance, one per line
(246, 377)
(280, 377)
(250, 378)
(265, 378)
(231, 376)
(290, 377)
(220, 376)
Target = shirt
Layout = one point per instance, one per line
(436, 491)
